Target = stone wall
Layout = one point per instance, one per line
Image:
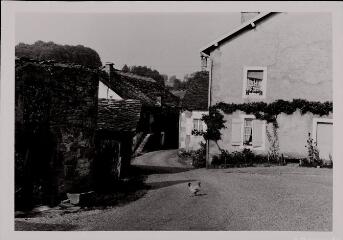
(56, 114)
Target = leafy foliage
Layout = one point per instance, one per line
(243, 158)
(214, 122)
(313, 159)
(274, 148)
(61, 53)
(176, 84)
(264, 111)
(146, 72)
(188, 81)
(268, 112)
(198, 156)
(125, 68)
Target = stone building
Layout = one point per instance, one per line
(55, 123)
(117, 137)
(270, 57)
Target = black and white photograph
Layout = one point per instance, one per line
(181, 117)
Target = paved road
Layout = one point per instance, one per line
(275, 198)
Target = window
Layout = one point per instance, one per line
(254, 82)
(247, 138)
(197, 125)
(247, 131)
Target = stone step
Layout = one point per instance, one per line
(141, 146)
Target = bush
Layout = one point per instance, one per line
(313, 159)
(216, 161)
(243, 158)
(313, 152)
(61, 53)
(199, 156)
(184, 154)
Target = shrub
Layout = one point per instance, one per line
(184, 154)
(238, 158)
(199, 156)
(217, 161)
(329, 163)
(313, 159)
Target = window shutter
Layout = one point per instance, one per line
(236, 133)
(200, 126)
(257, 133)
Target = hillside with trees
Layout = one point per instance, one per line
(61, 53)
(146, 72)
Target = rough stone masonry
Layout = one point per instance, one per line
(55, 123)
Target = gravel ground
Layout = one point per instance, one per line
(286, 198)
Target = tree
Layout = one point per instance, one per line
(165, 78)
(177, 84)
(203, 75)
(61, 53)
(146, 72)
(125, 68)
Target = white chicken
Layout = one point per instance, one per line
(194, 189)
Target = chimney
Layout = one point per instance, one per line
(109, 69)
(245, 16)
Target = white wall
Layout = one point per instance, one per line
(106, 92)
(296, 50)
(185, 130)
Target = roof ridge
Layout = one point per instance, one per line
(139, 77)
(235, 30)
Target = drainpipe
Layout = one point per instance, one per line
(209, 104)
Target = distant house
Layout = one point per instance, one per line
(194, 104)
(273, 56)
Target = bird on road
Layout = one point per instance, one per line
(194, 189)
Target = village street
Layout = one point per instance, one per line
(259, 198)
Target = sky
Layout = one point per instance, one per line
(167, 42)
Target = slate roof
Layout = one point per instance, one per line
(147, 90)
(118, 115)
(196, 97)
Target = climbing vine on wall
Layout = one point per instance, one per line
(263, 111)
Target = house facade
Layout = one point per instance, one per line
(273, 56)
(194, 105)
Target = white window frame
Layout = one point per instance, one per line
(245, 79)
(242, 146)
(315, 123)
(199, 123)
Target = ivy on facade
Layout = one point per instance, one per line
(261, 110)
